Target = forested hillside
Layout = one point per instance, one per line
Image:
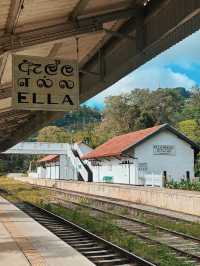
(141, 108)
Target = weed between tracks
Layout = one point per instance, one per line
(159, 254)
(190, 228)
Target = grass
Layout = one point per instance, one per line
(104, 226)
(189, 228)
(160, 254)
(186, 227)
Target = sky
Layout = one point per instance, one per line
(176, 67)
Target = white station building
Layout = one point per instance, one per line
(145, 157)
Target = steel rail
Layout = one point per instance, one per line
(145, 235)
(95, 248)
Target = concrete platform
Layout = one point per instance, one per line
(25, 242)
(183, 204)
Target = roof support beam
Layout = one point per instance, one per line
(3, 61)
(19, 41)
(16, 7)
(78, 9)
(73, 16)
(5, 93)
(161, 29)
(54, 50)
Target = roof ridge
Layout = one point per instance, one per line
(144, 129)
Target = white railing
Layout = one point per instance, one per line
(76, 162)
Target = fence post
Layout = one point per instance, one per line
(164, 175)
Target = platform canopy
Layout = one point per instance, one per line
(108, 38)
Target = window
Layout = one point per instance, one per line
(142, 167)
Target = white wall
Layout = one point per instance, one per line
(113, 168)
(63, 167)
(41, 172)
(52, 171)
(176, 165)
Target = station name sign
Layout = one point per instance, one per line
(164, 149)
(45, 84)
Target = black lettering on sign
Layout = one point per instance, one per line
(67, 99)
(35, 99)
(28, 67)
(23, 82)
(21, 97)
(66, 84)
(51, 69)
(67, 70)
(49, 99)
(47, 83)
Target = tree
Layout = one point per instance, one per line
(80, 119)
(54, 134)
(141, 108)
(192, 106)
(191, 129)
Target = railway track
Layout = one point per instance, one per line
(96, 249)
(111, 203)
(184, 245)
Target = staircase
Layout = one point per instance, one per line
(84, 171)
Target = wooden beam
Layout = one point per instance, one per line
(13, 114)
(104, 40)
(78, 9)
(16, 7)
(19, 41)
(3, 61)
(5, 93)
(54, 50)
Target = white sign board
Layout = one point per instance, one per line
(45, 84)
(164, 150)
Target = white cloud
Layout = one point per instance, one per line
(157, 72)
(185, 53)
(151, 78)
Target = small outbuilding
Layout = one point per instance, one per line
(49, 167)
(145, 157)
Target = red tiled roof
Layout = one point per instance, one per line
(117, 145)
(48, 158)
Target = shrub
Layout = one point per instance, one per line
(183, 184)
